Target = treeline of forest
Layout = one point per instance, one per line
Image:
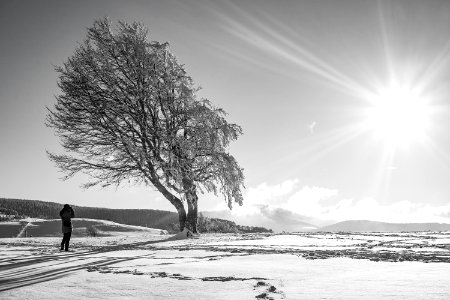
(206, 224)
(19, 209)
(50, 210)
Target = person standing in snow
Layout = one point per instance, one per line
(66, 215)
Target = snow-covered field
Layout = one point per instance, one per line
(145, 265)
(52, 228)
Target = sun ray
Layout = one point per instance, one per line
(438, 152)
(433, 69)
(386, 45)
(319, 145)
(383, 174)
(277, 44)
(398, 99)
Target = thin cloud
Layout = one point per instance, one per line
(312, 127)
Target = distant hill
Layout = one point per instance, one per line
(373, 226)
(278, 221)
(50, 210)
(151, 218)
(82, 227)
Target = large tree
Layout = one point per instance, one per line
(128, 111)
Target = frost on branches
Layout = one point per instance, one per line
(128, 111)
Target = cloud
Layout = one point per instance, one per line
(396, 212)
(275, 218)
(265, 194)
(284, 216)
(289, 205)
(312, 126)
(309, 200)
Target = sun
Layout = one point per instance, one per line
(399, 116)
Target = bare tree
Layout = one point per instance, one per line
(128, 111)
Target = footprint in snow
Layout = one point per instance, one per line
(269, 291)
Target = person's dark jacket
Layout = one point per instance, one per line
(66, 215)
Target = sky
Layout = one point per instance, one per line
(344, 104)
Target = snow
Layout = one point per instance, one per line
(10, 223)
(226, 266)
(185, 234)
(293, 241)
(52, 227)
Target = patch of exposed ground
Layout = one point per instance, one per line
(425, 247)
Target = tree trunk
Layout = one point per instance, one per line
(182, 217)
(191, 200)
(192, 214)
(175, 202)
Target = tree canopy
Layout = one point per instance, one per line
(128, 111)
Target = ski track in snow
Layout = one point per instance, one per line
(229, 266)
(23, 230)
